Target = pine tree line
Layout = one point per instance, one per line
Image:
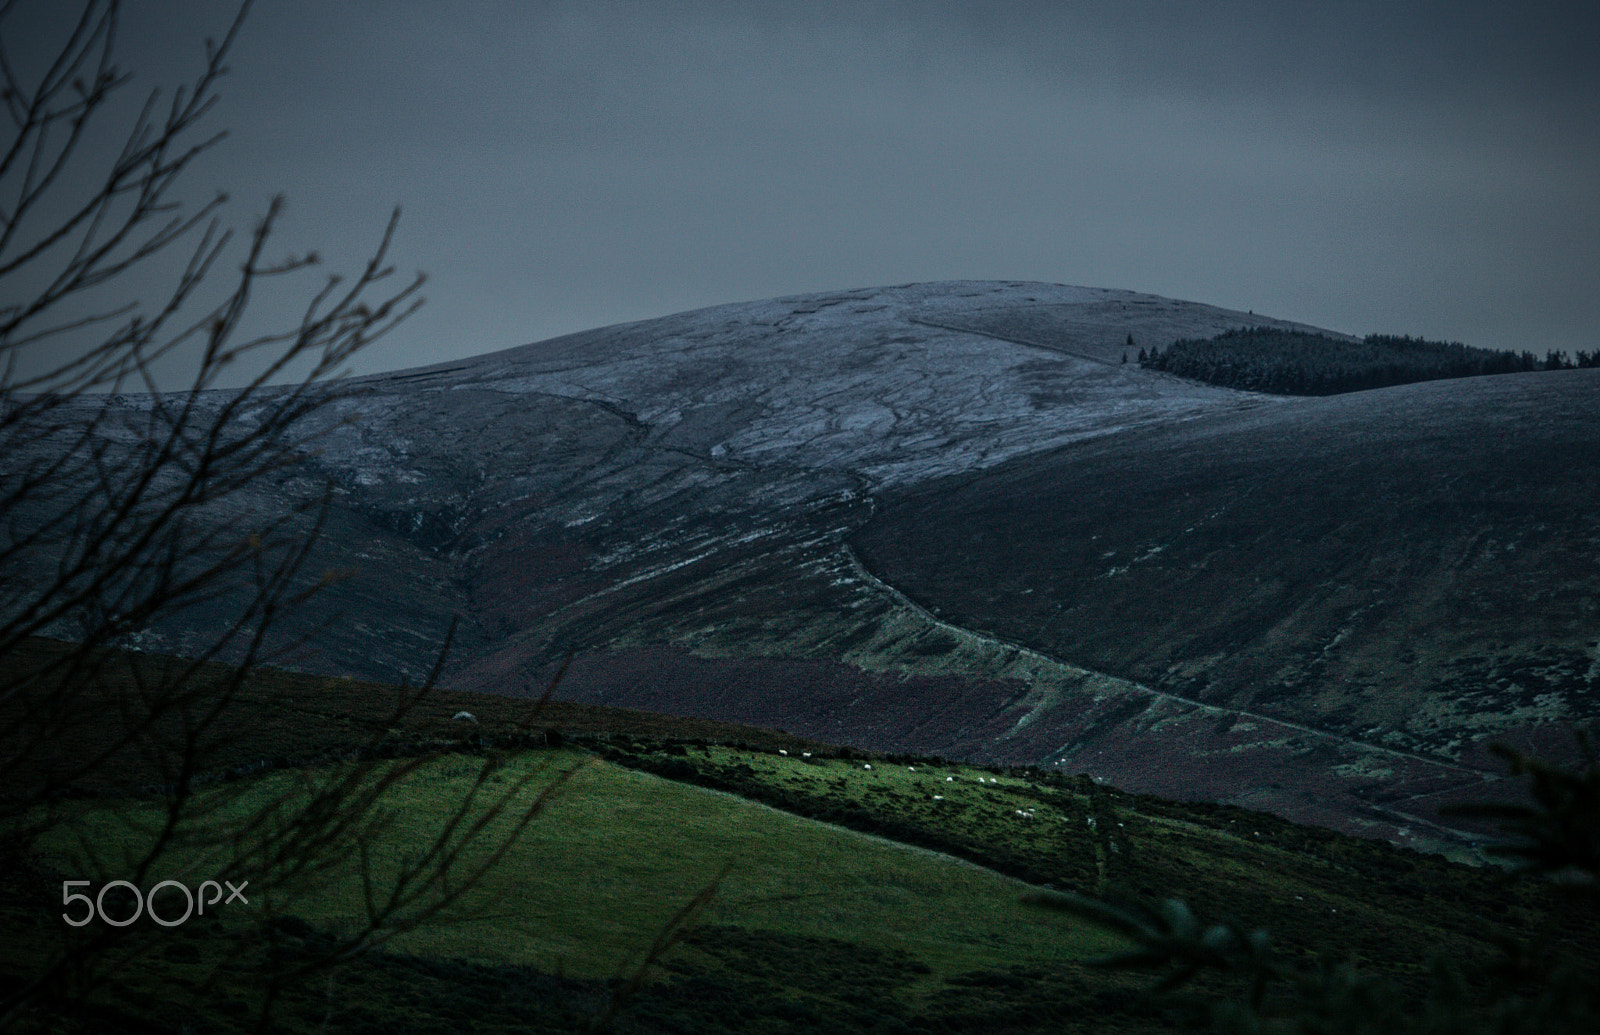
(1266, 359)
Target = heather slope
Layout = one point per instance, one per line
(1407, 568)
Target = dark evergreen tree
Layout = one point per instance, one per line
(1304, 363)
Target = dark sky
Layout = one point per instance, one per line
(1423, 168)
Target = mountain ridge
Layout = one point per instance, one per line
(733, 512)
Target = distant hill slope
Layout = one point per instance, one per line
(1411, 568)
(675, 502)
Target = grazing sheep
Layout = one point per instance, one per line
(466, 717)
(805, 754)
(781, 751)
(866, 765)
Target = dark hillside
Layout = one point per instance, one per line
(283, 719)
(1411, 567)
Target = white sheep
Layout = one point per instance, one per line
(782, 752)
(466, 717)
(866, 765)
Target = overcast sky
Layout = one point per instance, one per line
(1382, 166)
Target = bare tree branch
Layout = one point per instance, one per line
(118, 514)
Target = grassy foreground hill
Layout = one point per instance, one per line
(827, 909)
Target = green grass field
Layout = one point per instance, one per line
(853, 891)
(601, 870)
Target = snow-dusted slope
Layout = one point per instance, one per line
(676, 500)
(874, 382)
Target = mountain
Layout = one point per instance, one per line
(949, 519)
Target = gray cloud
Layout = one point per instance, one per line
(1424, 168)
